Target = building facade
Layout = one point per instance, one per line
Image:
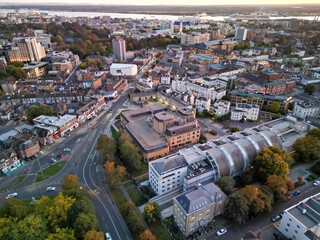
(119, 49)
(245, 111)
(303, 110)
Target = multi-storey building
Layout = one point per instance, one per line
(8, 161)
(221, 108)
(9, 86)
(301, 221)
(202, 104)
(303, 110)
(241, 33)
(194, 38)
(62, 123)
(263, 100)
(198, 207)
(35, 69)
(28, 148)
(245, 111)
(25, 50)
(119, 49)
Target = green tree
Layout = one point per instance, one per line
(135, 221)
(62, 234)
(127, 207)
(107, 147)
(81, 205)
(227, 184)
(283, 153)
(16, 72)
(274, 107)
(306, 149)
(267, 163)
(46, 110)
(315, 132)
(267, 196)
(237, 208)
(54, 210)
(278, 185)
(310, 88)
(114, 174)
(130, 156)
(152, 211)
(32, 227)
(93, 235)
(33, 112)
(99, 64)
(16, 208)
(85, 223)
(6, 225)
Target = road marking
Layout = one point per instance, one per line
(84, 178)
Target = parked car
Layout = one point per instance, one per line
(287, 199)
(66, 149)
(316, 182)
(11, 195)
(281, 214)
(40, 152)
(53, 160)
(297, 193)
(221, 231)
(108, 236)
(67, 135)
(275, 218)
(94, 127)
(50, 189)
(60, 156)
(277, 236)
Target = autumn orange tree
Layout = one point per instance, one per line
(113, 173)
(70, 182)
(127, 207)
(278, 185)
(269, 161)
(252, 194)
(152, 211)
(147, 235)
(93, 235)
(290, 185)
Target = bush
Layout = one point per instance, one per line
(234, 129)
(299, 183)
(202, 139)
(311, 177)
(315, 169)
(213, 132)
(225, 117)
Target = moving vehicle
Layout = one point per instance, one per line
(53, 160)
(11, 195)
(66, 149)
(221, 231)
(108, 236)
(297, 193)
(60, 156)
(275, 218)
(50, 189)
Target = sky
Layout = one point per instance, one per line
(169, 2)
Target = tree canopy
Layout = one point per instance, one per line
(237, 208)
(310, 88)
(114, 174)
(227, 184)
(307, 149)
(152, 211)
(35, 111)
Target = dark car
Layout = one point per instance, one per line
(277, 236)
(297, 193)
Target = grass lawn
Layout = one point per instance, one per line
(159, 231)
(114, 133)
(50, 171)
(143, 170)
(125, 178)
(127, 184)
(14, 182)
(118, 197)
(134, 194)
(153, 100)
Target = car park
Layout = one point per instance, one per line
(275, 218)
(221, 231)
(297, 193)
(50, 189)
(11, 195)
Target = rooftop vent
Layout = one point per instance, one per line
(304, 211)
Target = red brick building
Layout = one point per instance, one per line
(28, 148)
(116, 85)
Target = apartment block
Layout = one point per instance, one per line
(303, 110)
(221, 108)
(245, 111)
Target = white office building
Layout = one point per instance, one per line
(241, 33)
(202, 104)
(303, 110)
(221, 108)
(119, 69)
(245, 111)
(302, 221)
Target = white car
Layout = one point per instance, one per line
(66, 149)
(40, 152)
(11, 195)
(50, 189)
(316, 182)
(53, 160)
(221, 231)
(108, 237)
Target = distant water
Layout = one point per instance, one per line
(138, 16)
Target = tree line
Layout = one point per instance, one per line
(70, 215)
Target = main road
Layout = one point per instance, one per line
(79, 162)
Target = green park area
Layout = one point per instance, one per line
(49, 171)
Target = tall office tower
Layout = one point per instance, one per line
(241, 33)
(25, 50)
(119, 49)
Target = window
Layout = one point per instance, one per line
(290, 219)
(298, 226)
(288, 224)
(295, 231)
(286, 229)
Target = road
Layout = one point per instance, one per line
(262, 222)
(82, 142)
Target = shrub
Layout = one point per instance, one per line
(311, 177)
(213, 132)
(234, 129)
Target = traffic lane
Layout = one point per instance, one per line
(263, 221)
